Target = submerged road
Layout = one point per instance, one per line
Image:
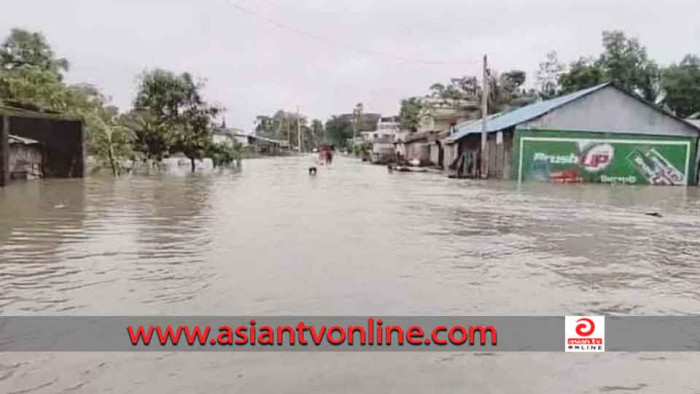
(353, 240)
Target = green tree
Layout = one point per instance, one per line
(23, 48)
(624, 61)
(223, 154)
(31, 76)
(108, 135)
(32, 87)
(112, 138)
(681, 85)
(283, 126)
(152, 137)
(583, 73)
(339, 130)
(411, 113)
(176, 104)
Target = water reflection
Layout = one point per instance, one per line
(40, 222)
(173, 220)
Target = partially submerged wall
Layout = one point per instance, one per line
(577, 157)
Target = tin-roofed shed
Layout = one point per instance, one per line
(61, 138)
(600, 134)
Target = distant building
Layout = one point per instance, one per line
(230, 136)
(601, 134)
(387, 128)
(443, 115)
(36, 144)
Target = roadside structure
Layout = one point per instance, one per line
(251, 142)
(230, 137)
(601, 134)
(416, 147)
(37, 144)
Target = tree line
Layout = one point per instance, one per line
(623, 61)
(286, 126)
(169, 114)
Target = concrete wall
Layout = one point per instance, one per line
(613, 111)
(418, 150)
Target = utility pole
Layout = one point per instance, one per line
(289, 131)
(298, 129)
(354, 129)
(484, 119)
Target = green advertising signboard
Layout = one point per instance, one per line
(606, 158)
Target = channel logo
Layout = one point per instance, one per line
(584, 334)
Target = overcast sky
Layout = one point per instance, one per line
(253, 65)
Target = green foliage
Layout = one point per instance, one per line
(624, 61)
(285, 126)
(108, 133)
(411, 113)
(583, 73)
(458, 89)
(173, 116)
(111, 139)
(23, 48)
(223, 154)
(31, 77)
(681, 84)
(338, 130)
(362, 150)
(152, 139)
(30, 73)
(169, 112)
(30, 86)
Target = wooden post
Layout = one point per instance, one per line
(298, 130)
(484, 120)
(4, 150)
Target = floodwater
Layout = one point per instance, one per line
(354, 240)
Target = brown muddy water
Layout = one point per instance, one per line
(353, 240)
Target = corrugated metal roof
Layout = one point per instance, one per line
(15, 139)
(27, 113)
(506, 120)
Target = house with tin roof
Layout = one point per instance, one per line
(601, 134)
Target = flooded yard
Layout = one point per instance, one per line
(353, 240)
